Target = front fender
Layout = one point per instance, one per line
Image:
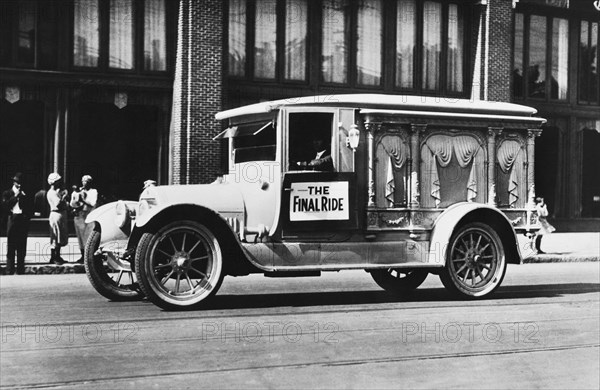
(104, 219)
(462, 213)
(226, 201)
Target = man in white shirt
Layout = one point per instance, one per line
(82, 203)
(17, 204)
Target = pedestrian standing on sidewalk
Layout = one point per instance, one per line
(546, 228)
(82, 203)
(57, 199)
(18, 206)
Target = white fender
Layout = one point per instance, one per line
(105, 217)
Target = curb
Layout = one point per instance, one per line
(552, 258)
(50, 269)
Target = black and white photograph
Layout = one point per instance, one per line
(299, 194)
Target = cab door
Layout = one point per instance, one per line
(318, 200)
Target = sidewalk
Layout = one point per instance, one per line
(559, 247)
(38, 256)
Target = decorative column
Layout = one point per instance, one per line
(493, 132)
(371, 128)
(414, 163)
(531, 217)
(531, 134)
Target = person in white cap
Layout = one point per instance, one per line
(82, 203)
(57, 199)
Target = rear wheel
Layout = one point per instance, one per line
(399, 281)
(180, 266)
(112, 279)
(475, 262)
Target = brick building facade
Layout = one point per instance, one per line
(224, 55)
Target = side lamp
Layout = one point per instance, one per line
(353, 137)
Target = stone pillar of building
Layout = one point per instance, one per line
(197, 93)
(493, 34)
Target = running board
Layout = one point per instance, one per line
(291, 274)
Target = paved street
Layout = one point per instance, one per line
(541, 330)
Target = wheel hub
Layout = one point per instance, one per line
(180, 261)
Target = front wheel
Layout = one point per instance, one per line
(475, 262)
(399, 281)
(112, 279)
(180, 266)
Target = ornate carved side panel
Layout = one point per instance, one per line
(453, 168)
(391, 162)
(511, 171)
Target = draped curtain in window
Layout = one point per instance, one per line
(265, 39)
(370, 36)
(439, 148)
(560, 58)
(86, 33)
(406, 36)
(237, 37)
(392, 153)
(510, 159)
(455, 49)
(296, 30)
(155, 35)
(121, 34)
(336, 24)
(432, 44)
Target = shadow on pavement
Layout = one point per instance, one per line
(334, 298)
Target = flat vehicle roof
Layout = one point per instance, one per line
(394, 103)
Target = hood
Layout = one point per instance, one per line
(223, 198)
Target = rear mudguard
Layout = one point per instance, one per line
(461, 213)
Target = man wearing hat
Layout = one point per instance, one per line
(57, 199)
(82, 203)
(18, 205)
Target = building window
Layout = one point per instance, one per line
(406, 39)
(403, 45)
(86, 33)
(265, 42)
(237, 37)
(155, 35)
(588, 63)
(541, 57)
(370, 38)
(124, 35)
(121, 49)
(296, 31)
(336, 25)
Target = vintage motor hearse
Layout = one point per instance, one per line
(400, 186)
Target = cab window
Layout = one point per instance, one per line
(254, 142)
(310, 146)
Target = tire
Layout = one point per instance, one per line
(102, 280)
(475, 261)
(399, 281)
(184, 278)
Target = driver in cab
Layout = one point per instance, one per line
(321, 160)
